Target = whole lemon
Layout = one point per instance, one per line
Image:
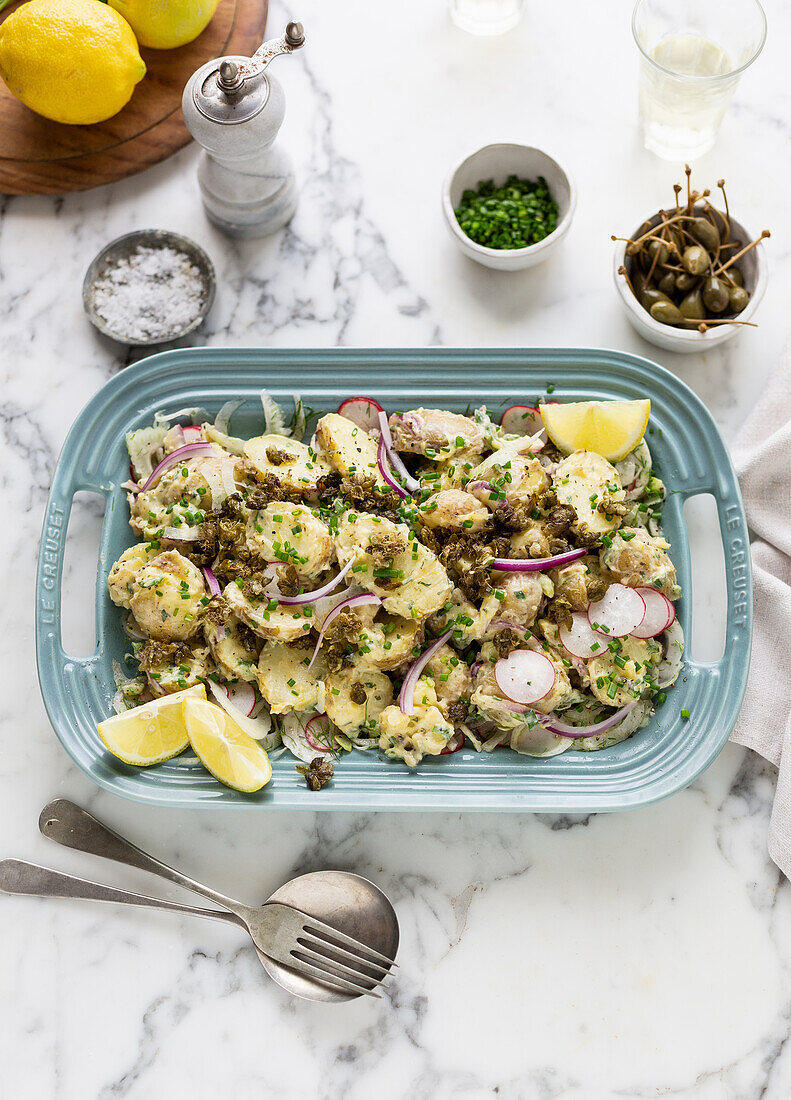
(165, 24)
(74, 61)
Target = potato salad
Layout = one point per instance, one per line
(410, 583)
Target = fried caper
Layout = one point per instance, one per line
(695, 259)
(692, 306)
(708, 234)
(738, 298)
(715, 294)
(666, 313)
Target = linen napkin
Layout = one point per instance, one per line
(762, 456)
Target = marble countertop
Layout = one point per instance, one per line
(543, 957)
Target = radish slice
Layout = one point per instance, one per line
(659, 613)
(363, 411)
(522, 420)
(242, 696)
(525, 676)
(319, 727)
(257, 727)
(192, 433)
(456, 742)
(580, 639)
(672, 614)
(618, 612)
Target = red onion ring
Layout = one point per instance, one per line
(242, 696)
(211, 581)
(534, 565)
(309, 597)
(384, 470)
(173, 459)
(563, 729)
(406, 699)
(411, 483)
(351, 601)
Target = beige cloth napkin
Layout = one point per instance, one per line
(762, 455)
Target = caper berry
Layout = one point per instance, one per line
(738, 298)
(651, 295)
(667, 284)
(692, 306)
(706, 233)
(666, 313)
(685, 282)
(695, 259)
(715, 294)
(658, 250)
(735, 276)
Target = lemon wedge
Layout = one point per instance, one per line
(610, 428)
(224, 749)
(152, 732)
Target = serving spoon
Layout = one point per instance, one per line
(299, 950)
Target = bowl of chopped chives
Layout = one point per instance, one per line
(508, 206)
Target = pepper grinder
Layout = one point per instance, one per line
(234, 110)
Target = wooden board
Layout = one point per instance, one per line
(40, 157)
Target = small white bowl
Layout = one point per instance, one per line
(687, 341)
(498, 162)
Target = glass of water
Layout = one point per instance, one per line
(486, 16)
(692, 53)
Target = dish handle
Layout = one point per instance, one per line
(738, 571)
(49, 577)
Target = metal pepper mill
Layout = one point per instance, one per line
(234, 109)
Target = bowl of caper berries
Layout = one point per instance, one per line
(690, 277)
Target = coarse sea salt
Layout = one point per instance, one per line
(153, 294)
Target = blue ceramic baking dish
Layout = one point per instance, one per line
(660, 760)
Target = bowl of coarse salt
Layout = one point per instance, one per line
(149, 287)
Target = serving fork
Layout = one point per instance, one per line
(281, 932)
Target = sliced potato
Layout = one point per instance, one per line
(584, 480)
(283, 623)
(285, 680)
(294, 465)
(619, 677)
(290, 533)
(393, 564)
(355, 698)
(350, 449)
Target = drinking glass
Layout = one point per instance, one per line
(486, 16)
(692, 53)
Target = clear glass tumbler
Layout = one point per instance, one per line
(486, 16)
(692, 53)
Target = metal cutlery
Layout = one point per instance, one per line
(280, 932)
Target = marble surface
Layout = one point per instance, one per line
(543, 958)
